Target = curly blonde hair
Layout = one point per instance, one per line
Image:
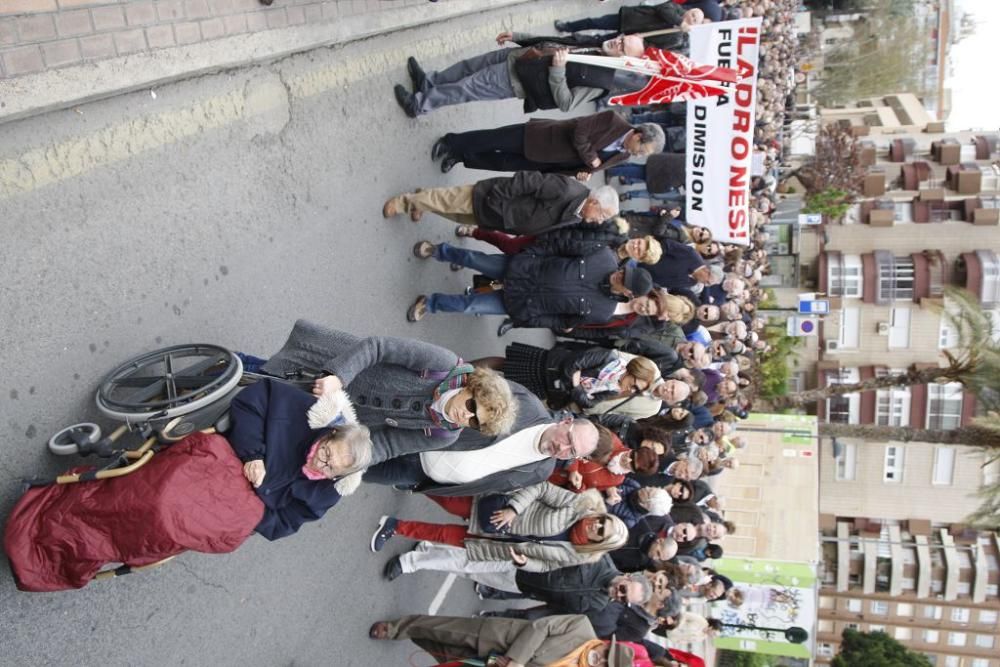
(495, 403)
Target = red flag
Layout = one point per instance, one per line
(679, 79)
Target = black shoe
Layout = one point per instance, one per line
(383, 533)
(392, 569)
(405, 101)
(417, 75)
(447, 164)
(439, 149)
(561, 26)
(505, 326)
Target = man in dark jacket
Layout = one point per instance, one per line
(494, 465)
(577, 146)
(647, 18)
(578, 589)
(529, 202)
(680, 266)
(611, 600)
(538, 72)
(540, 288)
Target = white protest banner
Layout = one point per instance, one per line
(720, 132)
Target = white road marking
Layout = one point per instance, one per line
(441, 595)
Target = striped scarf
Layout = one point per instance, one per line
(457, 378)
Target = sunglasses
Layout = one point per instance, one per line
(470, 405)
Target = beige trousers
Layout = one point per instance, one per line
(454, 203)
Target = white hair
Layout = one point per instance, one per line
(607, 197)
(659, 502)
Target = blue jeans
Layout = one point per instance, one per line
(491, 266)
(606, 22)
(488, 303)
(633, 173)
(642, 193)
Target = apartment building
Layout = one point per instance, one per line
(896, 554)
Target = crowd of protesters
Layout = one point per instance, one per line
(582, 475)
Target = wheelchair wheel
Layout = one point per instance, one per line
(63, 444)
(169, 382)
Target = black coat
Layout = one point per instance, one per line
(561, 292)
(529, 202)
(643, 18)
(269, 422)
(665, 172)
(676, 265)
(562, 363)
(632, 556)
(578, 589)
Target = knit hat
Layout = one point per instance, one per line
(637, 281)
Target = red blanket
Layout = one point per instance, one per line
(190, 496)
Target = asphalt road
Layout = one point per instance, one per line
(221, 209)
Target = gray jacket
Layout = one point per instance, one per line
(530, 412)
(383, 377)
(542, 509)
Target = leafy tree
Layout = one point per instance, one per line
(773, 369)
(885, 55)
(729, 658)
(975, 362)
(833, 175)
(875, 649)
(832, 203)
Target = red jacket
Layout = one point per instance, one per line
(595, 475)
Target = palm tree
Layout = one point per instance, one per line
(975, 362)
(983, 432)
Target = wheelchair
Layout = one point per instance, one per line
(162, 396)
(158, 398)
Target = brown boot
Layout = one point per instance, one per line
(417, 312)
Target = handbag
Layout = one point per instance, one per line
(485, 508)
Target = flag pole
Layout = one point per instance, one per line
(657, 33)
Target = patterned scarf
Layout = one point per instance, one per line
(607, 378)
(457, 378)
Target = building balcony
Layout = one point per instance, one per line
(843, 556)
(946, 151)
(930, 275)
(952, 564)
(913, 173)
(965, 178)
(979, 272)
(981, 210)
(888, 278)
(901, 150)
(874, 183)
(924, 566)
(982, 577)
(987, 146)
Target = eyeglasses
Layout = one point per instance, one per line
(570, 441)
(471, 406)
(324, 458)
